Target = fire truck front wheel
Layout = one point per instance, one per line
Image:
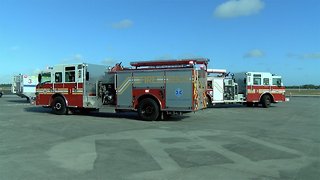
(209, 102)
(59, 106)
(265, 101)
(148, 109)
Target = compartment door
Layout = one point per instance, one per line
(218, 89)
(179, 90)
(124, 90)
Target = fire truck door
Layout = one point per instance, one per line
(124, 90)
(179, 92)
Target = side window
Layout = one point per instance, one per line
(58, 77)
(266, 81)
(257, 79)
(70, 74)
(79, 75)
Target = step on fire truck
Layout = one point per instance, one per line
(154, 89)
(24, 86)
(250, 88)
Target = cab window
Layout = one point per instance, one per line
(70, 74)
(257, 79)
(265, 81)
(58, 77)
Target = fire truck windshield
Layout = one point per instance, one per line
(44, 77)
(277, 82)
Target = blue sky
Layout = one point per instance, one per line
(280, 36)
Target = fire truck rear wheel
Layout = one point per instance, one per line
(266, 101)
(59, 106)
(148, 110)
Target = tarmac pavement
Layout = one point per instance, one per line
(224, 142)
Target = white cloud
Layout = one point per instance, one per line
(255, 53)
(189, 56)
(292, 55)
(124, 24)
(36, 71)
(14, 48)
(181, 56)
(163, 57)
(109, 61)
(311, 56)
(74, 58)
(236, 8)
(315, 55)
(78, 57)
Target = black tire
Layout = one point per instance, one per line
(209, 102)
(265, 101)
(0, 94)
(59, 106)
(148, 110)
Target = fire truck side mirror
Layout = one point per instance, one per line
(279, 83)
(39, 78)
(87, 76)
(245, 80)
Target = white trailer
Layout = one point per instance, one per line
(24, 86)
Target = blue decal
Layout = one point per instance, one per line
(29, 85)
(179, 92)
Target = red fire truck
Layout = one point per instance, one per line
(154, 89)
(250, 88)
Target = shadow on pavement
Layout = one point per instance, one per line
(126, 115)
(37, 109)
(19, 101)
(225, 106)
(228, 106)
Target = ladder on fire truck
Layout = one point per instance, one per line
(171, 64)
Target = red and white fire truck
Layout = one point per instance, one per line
(250, 88)
(154, 89)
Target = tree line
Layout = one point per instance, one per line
(306, 86)
(5, 85)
